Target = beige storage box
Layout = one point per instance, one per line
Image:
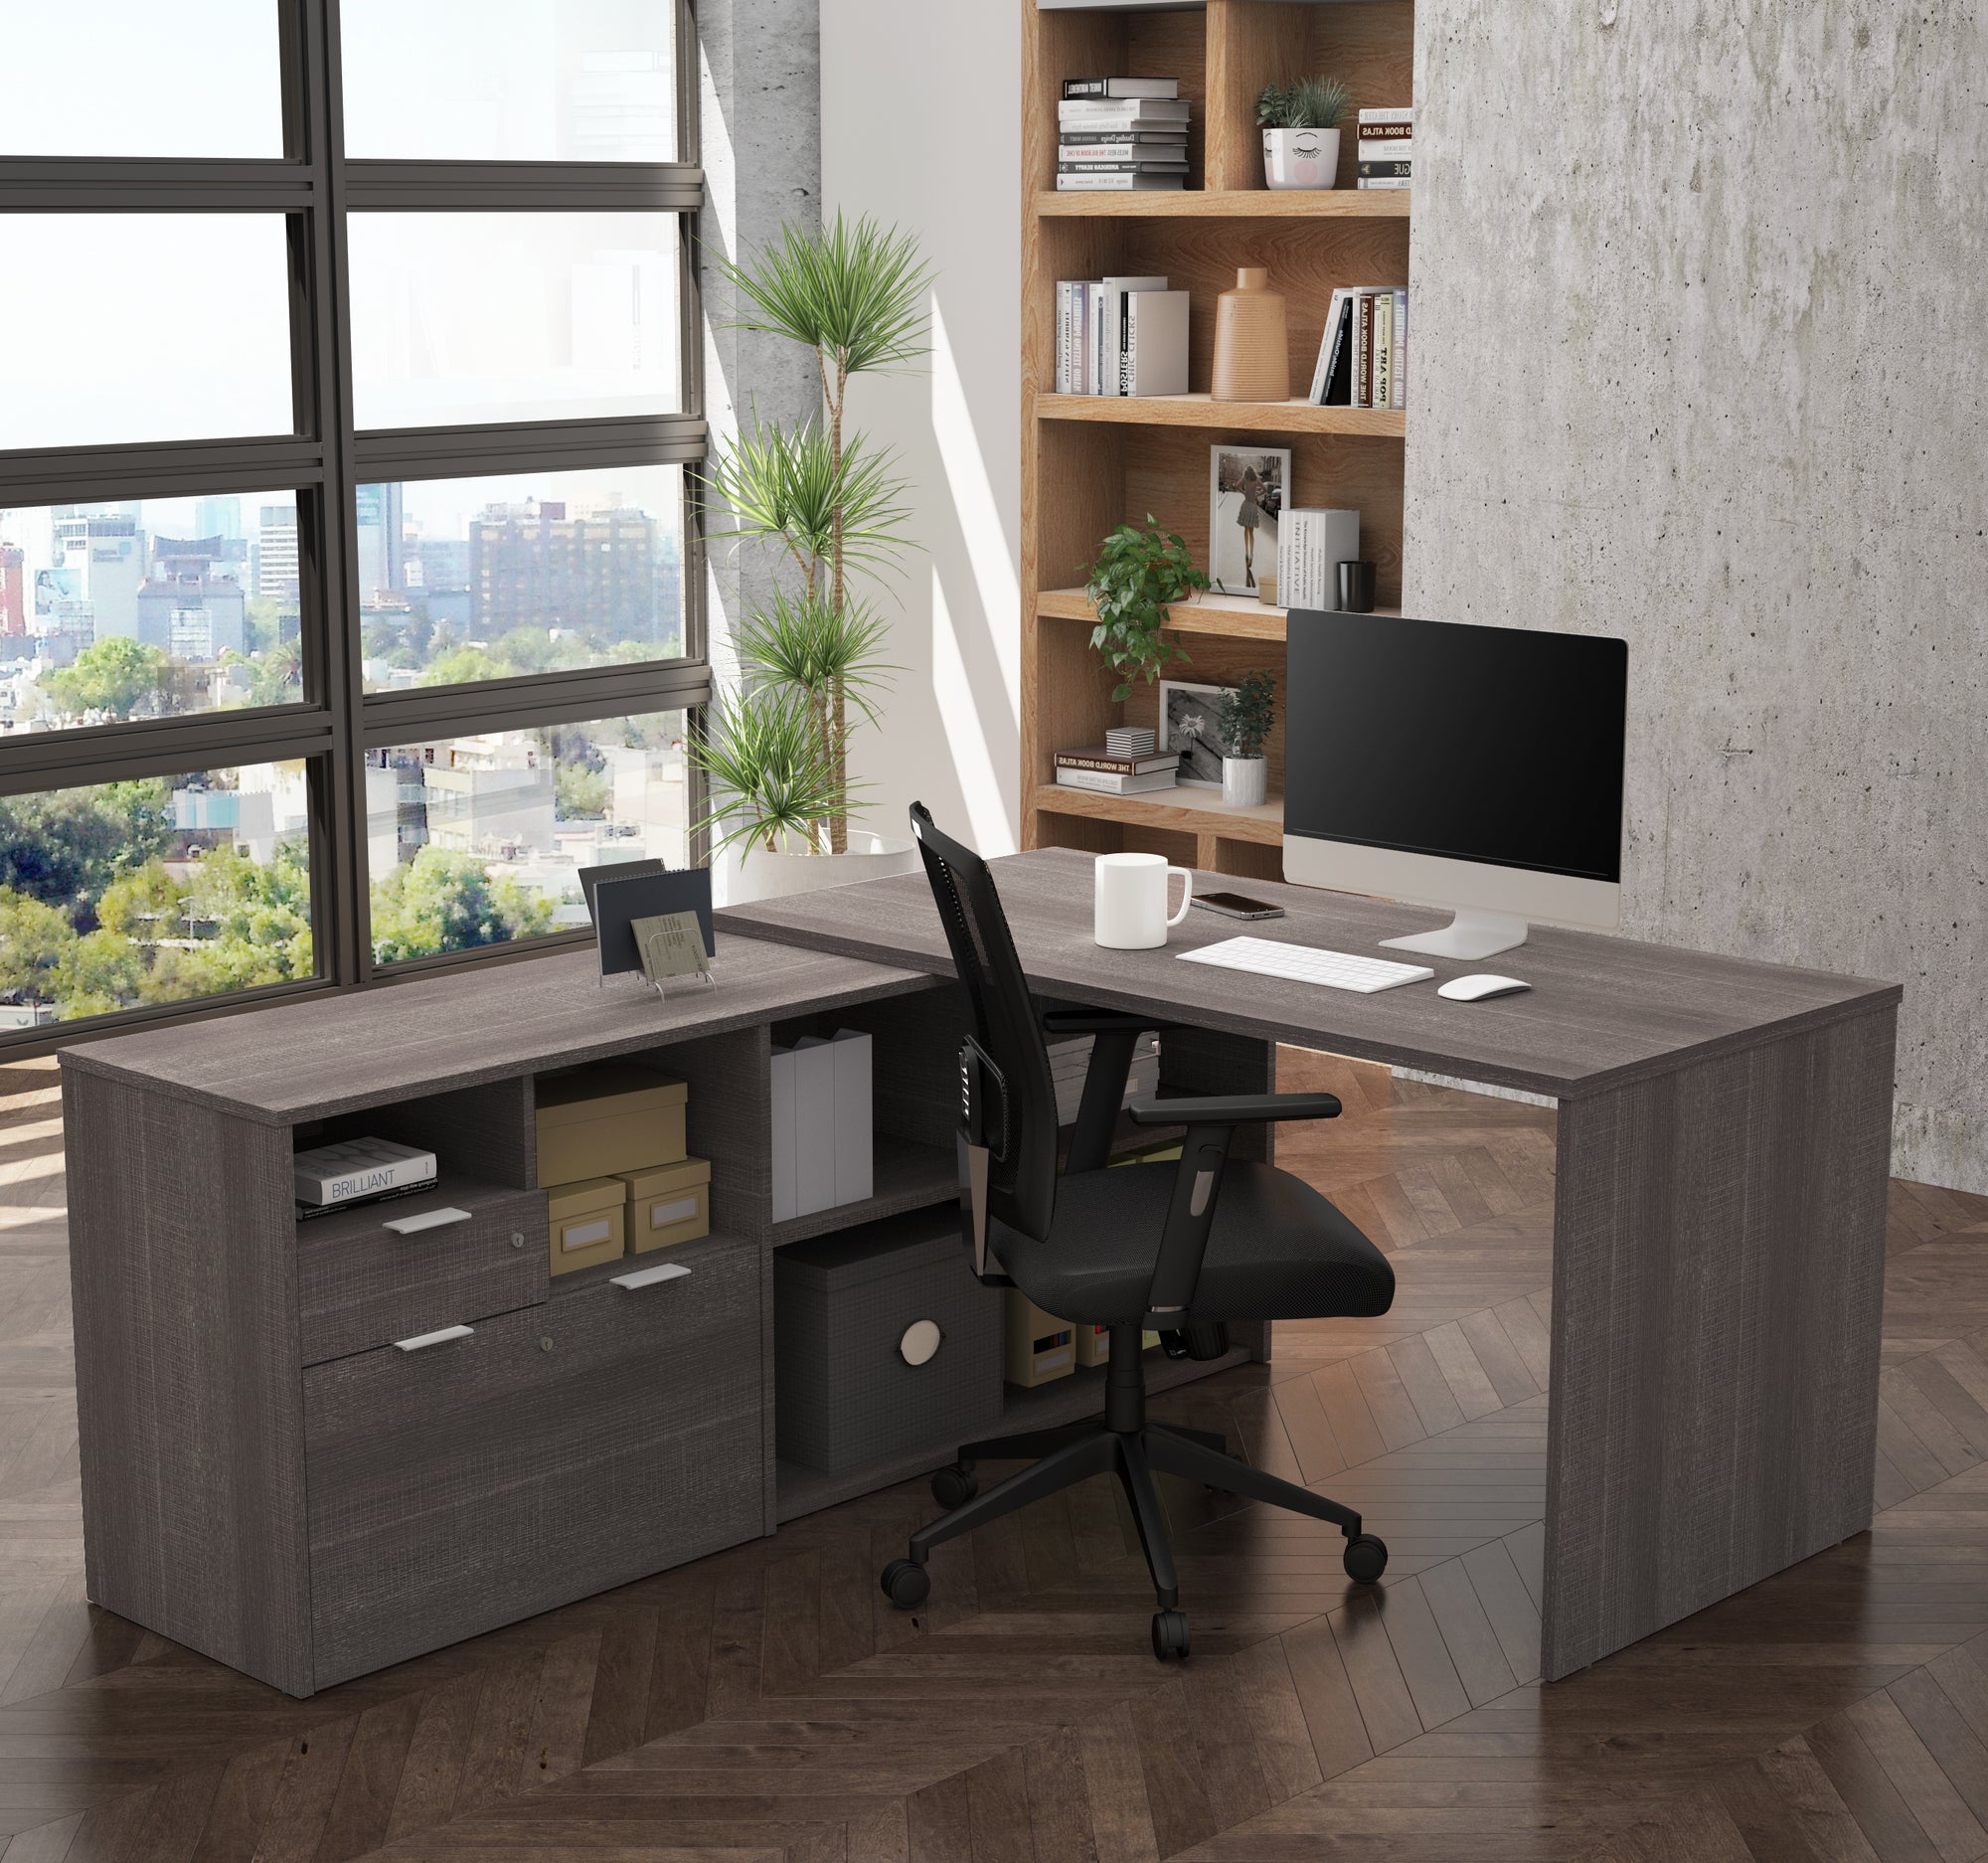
(600, 1121)
(1035, 1346)
(670, 1204)
(1093, 1344)
(587, 1223)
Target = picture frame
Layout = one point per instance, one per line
(1187, 725)
(1249, 490)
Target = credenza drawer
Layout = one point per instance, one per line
(362, 1285)
(540, 1456)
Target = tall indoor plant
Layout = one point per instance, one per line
(776, 750)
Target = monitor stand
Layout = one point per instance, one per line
(1469, 936)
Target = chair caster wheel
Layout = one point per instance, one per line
(1365, 1559)
(955, 1486)
(1170, 1635)
(906, 1584)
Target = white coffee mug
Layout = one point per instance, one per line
(1131, 901)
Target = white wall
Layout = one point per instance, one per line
(920, 128)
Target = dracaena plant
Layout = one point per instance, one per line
(833, 508)
(1139, 575)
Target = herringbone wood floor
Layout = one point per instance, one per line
(768, 1704)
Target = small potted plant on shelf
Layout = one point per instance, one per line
(1243, 716)
(1300, 125)
(1139, 575)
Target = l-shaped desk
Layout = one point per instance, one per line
(266, 1480)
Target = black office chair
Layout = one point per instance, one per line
(1181, 1252)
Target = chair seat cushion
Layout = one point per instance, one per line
(1277, 1250)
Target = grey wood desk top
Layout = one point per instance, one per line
(1602, 1011)
(311, 1059)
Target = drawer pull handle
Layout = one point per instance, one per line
(648, 1277)
(921, 1341)
(427, 1219)
(422, 1340)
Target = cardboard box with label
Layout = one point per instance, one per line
(671, 1203)
(586, 1221)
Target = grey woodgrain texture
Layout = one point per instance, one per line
(477, 1482)
(1718, 1250)
(311, 1061)
(487, 1131)
(361, 1286)
(1602, 1011)
(186, 1369)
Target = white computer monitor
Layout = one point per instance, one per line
(1475, 768)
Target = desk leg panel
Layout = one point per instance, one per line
(188, 1398)
(1719, 1253)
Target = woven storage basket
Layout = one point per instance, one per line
(844, 1393)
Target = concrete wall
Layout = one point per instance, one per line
(1699, 294)
(920, 127)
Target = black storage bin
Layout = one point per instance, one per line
(844, 1393)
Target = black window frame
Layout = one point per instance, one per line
(336, 722)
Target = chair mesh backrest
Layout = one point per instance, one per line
(1022, 1172)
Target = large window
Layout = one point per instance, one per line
(349, 414)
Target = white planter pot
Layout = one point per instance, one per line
(1245, 781)
(739, 877)
(1301, 158)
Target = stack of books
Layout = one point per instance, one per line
(1120, 336)
(1116, 133)
(1387, 147)
(1363, 357)
(1125, 764)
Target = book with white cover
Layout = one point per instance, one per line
(358, 1169)
(814, 1125)
(1123, 112)
(1122, 183)
(787, 1198)
(855, 1141)
(1311, 545)
(1152, 357)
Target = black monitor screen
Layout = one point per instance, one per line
(1497, 745)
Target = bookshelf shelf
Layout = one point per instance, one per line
(1190, 811)
(1229, 617)
(1248, 416)
(1227, 204)
(1090, 463)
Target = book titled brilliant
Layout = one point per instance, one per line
(1115, 134)
(1387, 150)
(1120, 336)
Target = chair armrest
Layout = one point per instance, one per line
(1234, 1110)
(1099, 1022)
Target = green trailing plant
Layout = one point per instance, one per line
(1303, 103)
(830, 504)
(1245, 713)
(1139, 574)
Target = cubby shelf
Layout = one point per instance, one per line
(1229, 617)
(906, 1176)
(1228, 204)
(1065, 1401)
(1249, 417)
(1206, 813)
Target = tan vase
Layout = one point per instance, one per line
(1253, 356)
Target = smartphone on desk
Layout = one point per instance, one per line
(1237, 906)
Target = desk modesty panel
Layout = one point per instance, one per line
(312, 1448)
(1723, 1151)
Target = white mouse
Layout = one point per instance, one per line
(1479, 989)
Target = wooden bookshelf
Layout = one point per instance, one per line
(1090, 463)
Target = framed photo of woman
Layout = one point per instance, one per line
(1246, 492)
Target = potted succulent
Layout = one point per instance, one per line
(1243, 715)
(1300, 125)
(776, 749)
(1139, 574)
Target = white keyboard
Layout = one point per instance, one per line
(1301, 964)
